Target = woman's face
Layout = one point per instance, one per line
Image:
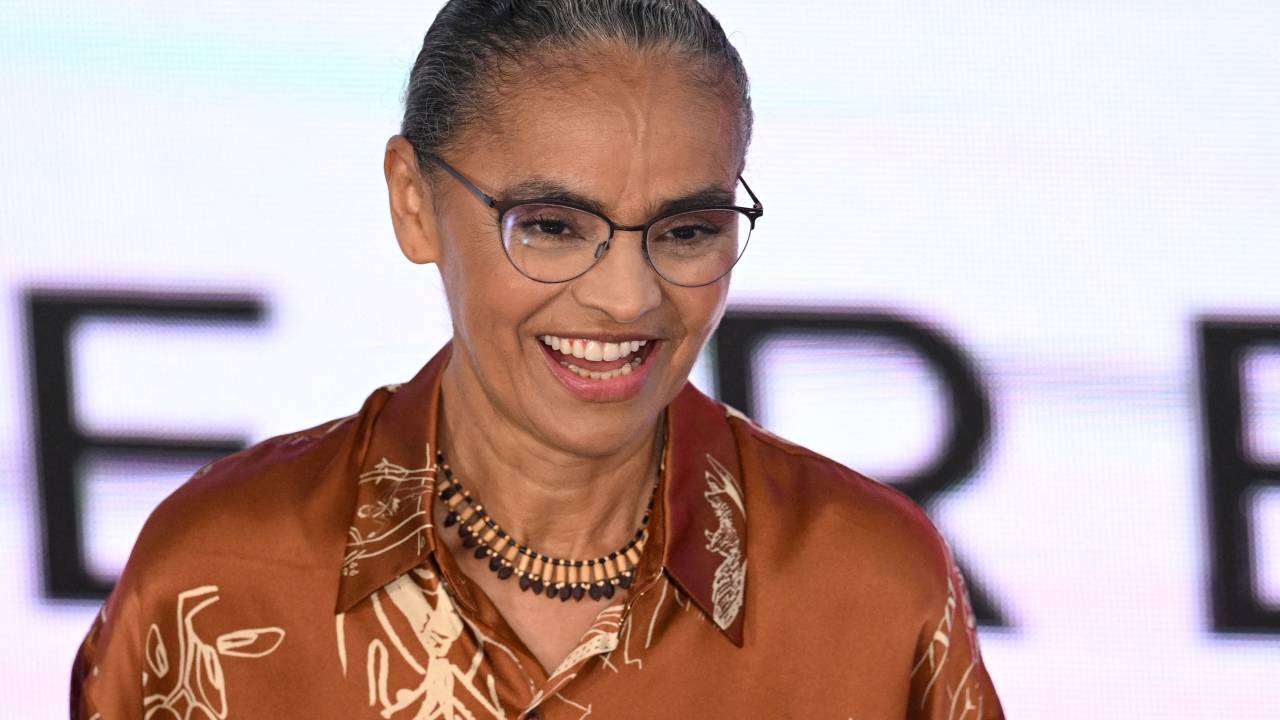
(631, 134)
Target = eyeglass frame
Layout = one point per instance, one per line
(504, 206)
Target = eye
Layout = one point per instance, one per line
(545, 226)
(691, 231)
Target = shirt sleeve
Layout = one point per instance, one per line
(108, 672)
(948, 678)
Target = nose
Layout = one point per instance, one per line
(621, 284)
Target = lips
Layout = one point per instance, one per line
(597, 369)
(597, 359)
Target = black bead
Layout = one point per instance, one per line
(624, 582)
(450, 492)
(469, 541)
(566, 592)
(495, 562)
(551, 591)
(578, 592)
(505, 571)
(481, 552)
(537, 585)
(607, 590)
(596, 592)
(525, 583)
(450, 519)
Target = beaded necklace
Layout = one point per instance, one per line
(542, 574)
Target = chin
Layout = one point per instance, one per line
(590, 435)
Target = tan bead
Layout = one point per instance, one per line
(597, 574)
(559, 575)
(633, 557)
(525, 560)
(537, 570)
(488, 534)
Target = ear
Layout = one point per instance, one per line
(412, 210)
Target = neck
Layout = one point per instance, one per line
(551, 499)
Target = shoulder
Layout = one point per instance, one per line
(280, 501)
(852, 527)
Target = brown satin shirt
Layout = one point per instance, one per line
(302, 578)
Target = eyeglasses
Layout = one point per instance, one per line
(552, 241)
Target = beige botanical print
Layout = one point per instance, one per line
(400, 500)
(729, 582)
(196, 686)
(963, 697)
(647, 626)
(440, 688)
(600, 639)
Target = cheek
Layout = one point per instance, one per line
(700, 309)
(489, 301)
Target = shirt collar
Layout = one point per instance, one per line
(704, 511)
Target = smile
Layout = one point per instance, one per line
(599, 369)
(596, 353)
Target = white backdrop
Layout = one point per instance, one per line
(1063, 188)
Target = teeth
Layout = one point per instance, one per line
(594, 375)
(596, 350)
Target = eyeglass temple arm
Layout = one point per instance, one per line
(484, 197)
(755, 200)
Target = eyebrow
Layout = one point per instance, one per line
(546, 190)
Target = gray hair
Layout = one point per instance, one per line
(473, 43)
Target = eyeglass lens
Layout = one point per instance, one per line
(553, 243)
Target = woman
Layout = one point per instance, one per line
(548, 521)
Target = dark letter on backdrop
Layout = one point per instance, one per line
(61, 445)
(741, 333)
(1232, 473)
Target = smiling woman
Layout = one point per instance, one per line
(548, 519)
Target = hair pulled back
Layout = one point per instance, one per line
(472, 43)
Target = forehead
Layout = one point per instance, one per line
(623, 125)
